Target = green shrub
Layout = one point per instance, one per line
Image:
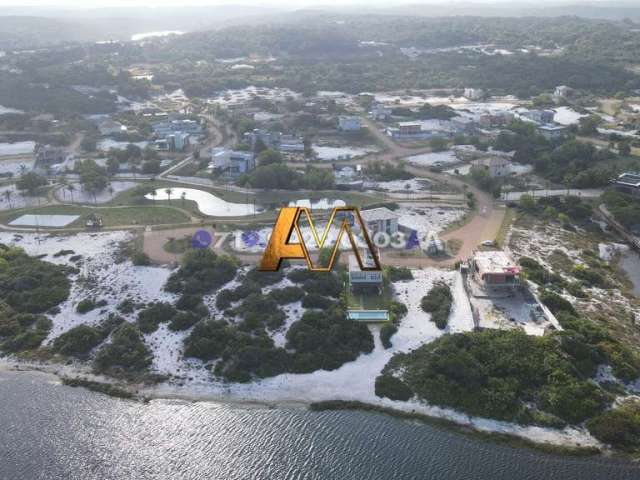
(387, 331)
(287, 295)
(31, 285)
(619, 427)
(392, 388)
(151, 317)
(556, 303)
(188, 301)
(326, 340)
(242, 356)
(78, 341)
(140, 259)
(126, 354)
(398, 274)
(259, 311)
(314, 300)
(397, 311)
(226, 297)
(126, 306)
(438, 303)
(183, 321)
(86, 305)
(201, 272)
(498, 374)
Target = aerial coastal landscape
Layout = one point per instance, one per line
(491, 167)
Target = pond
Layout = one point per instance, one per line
(17, 148)
(318, 204)
(207, 203)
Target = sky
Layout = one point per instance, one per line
(274, 3)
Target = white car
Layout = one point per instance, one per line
(488, 243)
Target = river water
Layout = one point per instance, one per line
(50, 431)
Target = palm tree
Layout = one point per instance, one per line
(111, 191)
(71, 189)
(7, 195)
(183, 196)
(169, 191)
(153, 194)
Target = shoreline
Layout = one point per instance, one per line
(76, 377)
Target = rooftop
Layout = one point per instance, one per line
(377, 214)
(629, 178)
(495, 261)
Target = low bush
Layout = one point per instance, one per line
(151, 317)
(438, 303)
(399, 274)
(387, 331)
(183, 321)
(619, 427)
(126, 354)
(286, 295)
(314, 300)
(85, 305)
(392, 388)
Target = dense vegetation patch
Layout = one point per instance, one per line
(619, 427)
(151, 317)
(29, 284)
(125, 355)
(438, 303)
(326, 340)
(202, 271)
(320, 340)
(80, 340)
(506, 375)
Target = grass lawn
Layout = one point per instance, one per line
(370, 300)
(134, 215)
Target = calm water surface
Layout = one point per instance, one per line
(49, 431)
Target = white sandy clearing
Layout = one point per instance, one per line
(567, 116)
(208, 203)
(433, 159)
(329, 153)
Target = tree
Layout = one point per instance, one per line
(30, 182)
(7, 195)
(71, 187)
(168, 191)
(93, 177)
(624, 148)
(527, 202)
(113, 165)
(268, 157)
(589, 125)
(438, 144)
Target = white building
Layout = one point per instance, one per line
(497, 166)
(561, 92)
(552, 131)
(349, 123)
(380, 220)
(232, 163)
(473, 93)
(111, 127)
(495, 268)
(380, 112)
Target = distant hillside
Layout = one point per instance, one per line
(37, 27)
